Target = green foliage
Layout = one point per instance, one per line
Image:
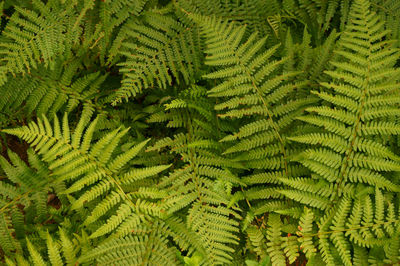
(24, 198)
(158, 50)
(197, 132)
(200, 189)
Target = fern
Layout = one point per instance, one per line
(39, 40)
(23, 198)
(250, 90)
(158, 50)
(351, 154)
(113, 14)
(202, 183)
(72, 157)
(130, 250)
(44, 94)
(55, 256)
(187, 132)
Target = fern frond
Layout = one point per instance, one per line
(200, 187)
(93, 171)
(251, 83)
(158, 50)
(275, 240)
(350, 155)
(31, 37)
(149, 249)
(24, 194)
